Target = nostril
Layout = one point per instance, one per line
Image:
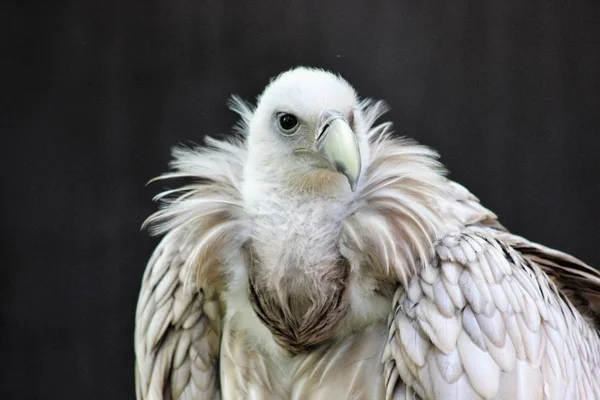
(323, 130)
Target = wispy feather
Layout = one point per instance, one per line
(210, 208)
(399, 217)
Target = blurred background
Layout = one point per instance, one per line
(95, 93)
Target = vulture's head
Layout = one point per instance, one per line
(307, 148)
(306, 135)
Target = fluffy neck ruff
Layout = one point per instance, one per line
(386, 234)
(207, 214)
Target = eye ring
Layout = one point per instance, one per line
(288, 123)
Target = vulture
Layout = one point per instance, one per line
(313, 254)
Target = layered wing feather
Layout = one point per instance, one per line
(482, 321)
(177, 329)
(579, 282)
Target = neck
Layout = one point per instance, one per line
(297, 277)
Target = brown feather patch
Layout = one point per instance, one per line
(300, 320)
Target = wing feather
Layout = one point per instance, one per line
(576, 280)
(484, 321)
(176, 342)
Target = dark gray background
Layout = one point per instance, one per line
(96, 92)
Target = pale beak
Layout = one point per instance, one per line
(338, 144)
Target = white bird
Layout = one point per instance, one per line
(316, 256)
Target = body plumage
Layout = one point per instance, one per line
(314, 255)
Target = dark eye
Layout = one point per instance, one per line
(287, 122)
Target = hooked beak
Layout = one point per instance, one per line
(338, 144)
